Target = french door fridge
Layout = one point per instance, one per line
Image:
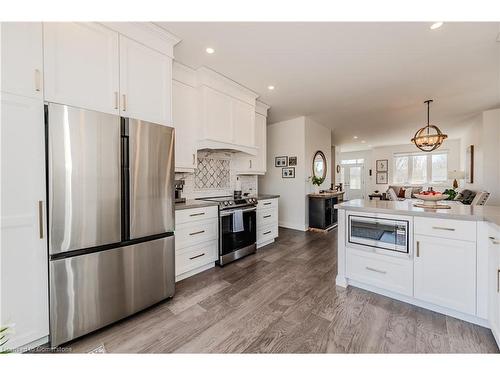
(110, 216)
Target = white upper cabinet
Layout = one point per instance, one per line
(243, 123)
(445, 272)
(217, 115)
(81, 66)
(184, 121)
(22, 58)
(145, 83)
(23, 258)
(248, 164)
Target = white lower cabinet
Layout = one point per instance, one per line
(494, 282)
(196, 240)
(383, 271)
(445, 272)
(23, 256)
(267, 221)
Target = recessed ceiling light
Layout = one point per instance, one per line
(363, 141)
(270, 87)
(210, 50)
(355, 137)
(436, 25)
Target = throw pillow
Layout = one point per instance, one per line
(392, 194)
(409, 193)
(401, 193)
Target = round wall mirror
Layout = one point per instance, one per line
(319, 165)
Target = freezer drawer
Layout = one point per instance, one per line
(151, 178)
(90, 291)
(84, 178)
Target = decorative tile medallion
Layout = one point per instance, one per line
(212, 173)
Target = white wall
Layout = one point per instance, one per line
(317, 138)
(473, 135)
(491, 155)
(286, 138)
(300, 137)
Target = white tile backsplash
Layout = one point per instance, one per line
(215, 177)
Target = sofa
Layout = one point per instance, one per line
(403, 191)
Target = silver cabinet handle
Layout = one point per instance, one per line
(375, 270)
(250, 164)
(267, 203)
(199, 232)
(194, 159)
(266, 232)
(124, 98)
(116, 99)
(197, 214)
(498, 281)
(40, 219)
(418, 248)
(265, 217)
(38, 85)
(197, 256)
(444, 228)
(494, 241)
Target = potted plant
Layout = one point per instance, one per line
(317, 181)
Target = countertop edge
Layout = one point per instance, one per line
(191, 204)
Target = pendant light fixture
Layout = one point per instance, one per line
(429, 137)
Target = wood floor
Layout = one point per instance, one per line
(284, 300)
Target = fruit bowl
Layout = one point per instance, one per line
(431, 199)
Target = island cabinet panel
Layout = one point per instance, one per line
(494, 282)
(445, 272)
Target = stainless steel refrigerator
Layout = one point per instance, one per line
(110, 216)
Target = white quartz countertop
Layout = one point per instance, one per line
(457, 211)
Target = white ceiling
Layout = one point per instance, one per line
(363, 79)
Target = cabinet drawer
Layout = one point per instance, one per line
(196, 214)
(195, 256)
(268, 233)
(382, 271)
(267, 203)
(446, 228)
(267, 217)
(189, 234)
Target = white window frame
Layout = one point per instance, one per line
(410, 167)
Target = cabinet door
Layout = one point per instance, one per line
(243, 123)
(184, 121)
(217, 114)
(81, 65)
(445, 273)
(260, 142)
(145, 83)
(494, 284)
(22, 58)
(24, 290)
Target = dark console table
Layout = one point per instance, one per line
(322, 213)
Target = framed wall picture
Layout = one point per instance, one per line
(381, 177)
(281, 161)
(469, 164)
(288, 172)
(292, 161)
(383, 165)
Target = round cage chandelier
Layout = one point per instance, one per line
(429, 137)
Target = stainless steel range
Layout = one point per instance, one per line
(237, 227)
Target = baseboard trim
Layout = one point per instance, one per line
(283, 224)
(187, 274)
(426, 305)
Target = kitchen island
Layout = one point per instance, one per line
(445, 260)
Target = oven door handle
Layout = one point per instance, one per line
(228, 213)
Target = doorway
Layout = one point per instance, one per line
(352, 177)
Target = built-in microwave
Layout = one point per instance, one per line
(379, 233)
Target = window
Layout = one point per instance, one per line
(418, 168)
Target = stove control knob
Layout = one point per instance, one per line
(225, 203)
(231, 203)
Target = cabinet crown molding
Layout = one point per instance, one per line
(261, 108)
(147, 33)
(217, 81)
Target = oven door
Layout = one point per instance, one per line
(229, 239)
(379, 233)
